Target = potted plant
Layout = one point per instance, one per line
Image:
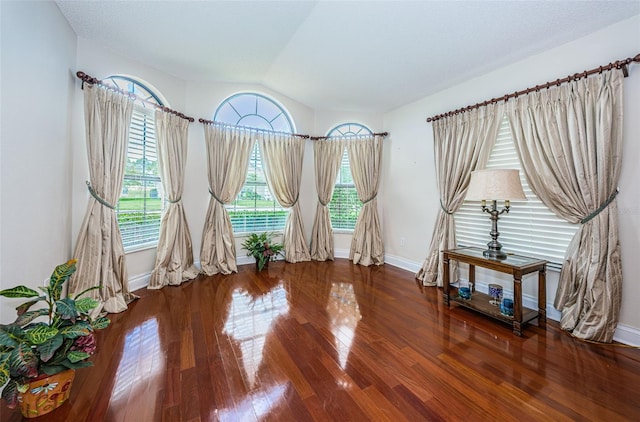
(45, 343)
(262, 248)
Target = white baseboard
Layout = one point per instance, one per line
(140, 281)
(627, 335)
(405, 264)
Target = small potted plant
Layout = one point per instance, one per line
(262, 248)
(41, 349)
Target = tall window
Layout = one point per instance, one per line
(530, 228)
(255, 208)
(345, 205)
(141, 202)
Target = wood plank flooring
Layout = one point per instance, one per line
(332, 341)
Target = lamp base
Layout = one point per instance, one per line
(494, 254)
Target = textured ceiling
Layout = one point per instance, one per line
(338, 55)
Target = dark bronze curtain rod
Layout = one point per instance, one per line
(317, 138)
(620, 64)
(93, 81)
(248, 128)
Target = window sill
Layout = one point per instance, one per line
(342, 231)
(140, 248)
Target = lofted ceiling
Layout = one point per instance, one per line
(369, 56)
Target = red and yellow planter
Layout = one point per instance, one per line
(45, 394)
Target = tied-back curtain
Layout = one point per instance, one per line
(327, 159)
(228, 153)
(365, 157)
(282, 156)
(174, 261)
(99, 250)
(569, 140)
(462, 144)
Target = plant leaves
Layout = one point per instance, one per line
(76, 356)
(49, 347)
(82, 328)
(41, 333)
(23, 362)
(52, 369)
(10, 394)
(7, 338)
(25, 306)
(28, 317)
(86, 304)
(19, 291)
(4, 367)
(101, 323)
(60, 274)
(76, 365)
(66, 309)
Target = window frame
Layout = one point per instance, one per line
(274, 219)
(348, 129)
(142, 142)
(530, 228)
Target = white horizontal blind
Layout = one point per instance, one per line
(256, 209)
(141, 203)
(345, 205)
(529, 228)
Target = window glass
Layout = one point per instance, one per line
(345, 205)
(141, 202)
(255, 208)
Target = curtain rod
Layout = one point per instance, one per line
(248, 128)
(94, 81)
(619, 64)
(317, 138)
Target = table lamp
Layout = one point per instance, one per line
(495, 185)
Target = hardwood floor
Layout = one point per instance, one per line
(333, 341)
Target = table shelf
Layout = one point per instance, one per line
(517, 266)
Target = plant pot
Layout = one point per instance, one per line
(266, 265)
(46, 393)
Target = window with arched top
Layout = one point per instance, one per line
(255, 208)
(345, 205)
(141, 202)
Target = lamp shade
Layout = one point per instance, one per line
(495, 184)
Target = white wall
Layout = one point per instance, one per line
(412, 205)
(38, 60)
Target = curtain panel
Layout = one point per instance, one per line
(282, 156)
(327, 159)
(365, 157)
(228, 153)
(462, 144)
(174, 261)
(569, 140)
(99, 249)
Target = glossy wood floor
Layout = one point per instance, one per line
(336, 342)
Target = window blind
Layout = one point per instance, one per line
(529, 228)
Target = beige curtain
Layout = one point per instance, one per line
(174, 261)
(228, 153)
(327, 160)
(462, 144)
(365, 156)
(99, 250)
(282, 156)
(570, 143)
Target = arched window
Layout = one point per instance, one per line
(345, 205)
(255, 208)
(141, 202)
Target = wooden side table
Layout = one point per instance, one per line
(517, 266)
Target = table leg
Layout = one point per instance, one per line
(542, 296)
(445, 279)
(517, 304)
(472, 277)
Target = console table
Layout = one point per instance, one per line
(517, 266)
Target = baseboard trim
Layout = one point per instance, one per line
(405, 264)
